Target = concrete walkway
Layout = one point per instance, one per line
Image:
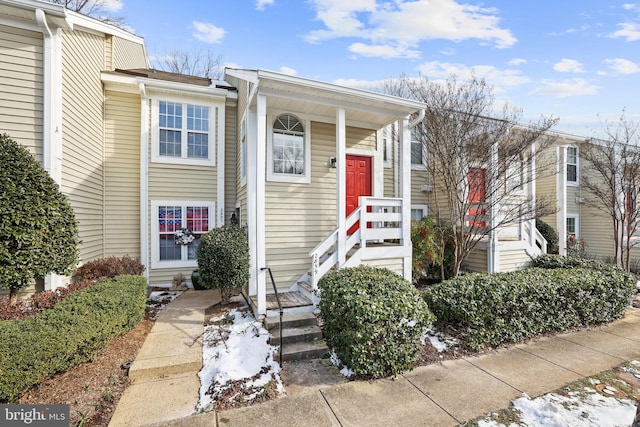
(445, 394)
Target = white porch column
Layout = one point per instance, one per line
(561, 185)
(144, 180)
(532, 193)
(256, 173)
(404, 163)
(341, 183)
(493, 249)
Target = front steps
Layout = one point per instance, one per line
(301, 337)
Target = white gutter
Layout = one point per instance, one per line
(418, 119)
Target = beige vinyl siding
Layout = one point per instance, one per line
(122, 174)
(21, 87)
(358, 138)
(241, 195)
(83, 133)
(178, 183)
(476, 261)
(299, 216)
(230, 162)
(389, 185)
(546, 183)
(127, 54)
(512, 260)
(418, 179)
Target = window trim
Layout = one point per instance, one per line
(424, 208)
(156, 157)
(510, 171)
(387, 146)
(577, 165)
(278, 177)
(155, 231)
(243, 151)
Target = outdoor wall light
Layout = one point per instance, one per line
(332, 162)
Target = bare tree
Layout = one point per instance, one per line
(94, 8)
(480, 163)
(613, 179)
(201, 63)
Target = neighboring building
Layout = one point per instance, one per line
(577, 214)
(503, 245)
(52, 101)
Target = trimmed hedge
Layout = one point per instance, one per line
(494, 309)
(70, 333)
(223, 258)
(373, 319)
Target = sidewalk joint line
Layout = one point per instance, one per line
(550, 361)
(330, 407)
(431, 399)
(492, 375)
(593, 349)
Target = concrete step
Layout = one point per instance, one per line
(290, 321)
(295, 335)
(304, 351)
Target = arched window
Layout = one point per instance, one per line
(288, 153)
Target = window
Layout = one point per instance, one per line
(387, 146)
(418, 158)
(515, 174)
(243, 151)
(572, 165)
(572, 226)
(169, 219)
(418, 212)
(182, 133)
(288, 155)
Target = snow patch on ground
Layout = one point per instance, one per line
(236, 359)
(343, 369)
(590, 409)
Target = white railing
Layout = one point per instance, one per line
(536, 241)
(378, 220)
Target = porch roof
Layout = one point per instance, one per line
(320, 99)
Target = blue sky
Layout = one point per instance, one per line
(578, 60)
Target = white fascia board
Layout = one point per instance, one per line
(248, 75)
(128, 83)
(91, 24)
(22, 14)
(49, 8)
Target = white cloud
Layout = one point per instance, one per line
(568, 66)
(112, 5)
(449, 51)
(260, 4)
(629, 31)
(289, 71)
(406, 23)
(208, 33)
(622, 66)
(494, 76)
(565, 88)
(516, 61)
(383, 51)
(629, 6)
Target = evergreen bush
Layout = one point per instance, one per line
(494, 309)
(373, 319)
(109, 267)
(38, 230)
(71, 332)
(223, 259)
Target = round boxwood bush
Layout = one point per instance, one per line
(373, 319)
(223, 259)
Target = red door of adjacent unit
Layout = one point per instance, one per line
(358, 182)
(477, 192)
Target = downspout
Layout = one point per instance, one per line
(52, 115)
(493, 259)
(144, 184)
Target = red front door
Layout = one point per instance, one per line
(358, 182)
(477, 191)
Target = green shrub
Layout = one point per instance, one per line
(109, 267)
(549, 234)
(223, 258)
(38, 230)
(552, 261)
(373, 319)
(494, 309)
(73, 331)
(432, 249)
